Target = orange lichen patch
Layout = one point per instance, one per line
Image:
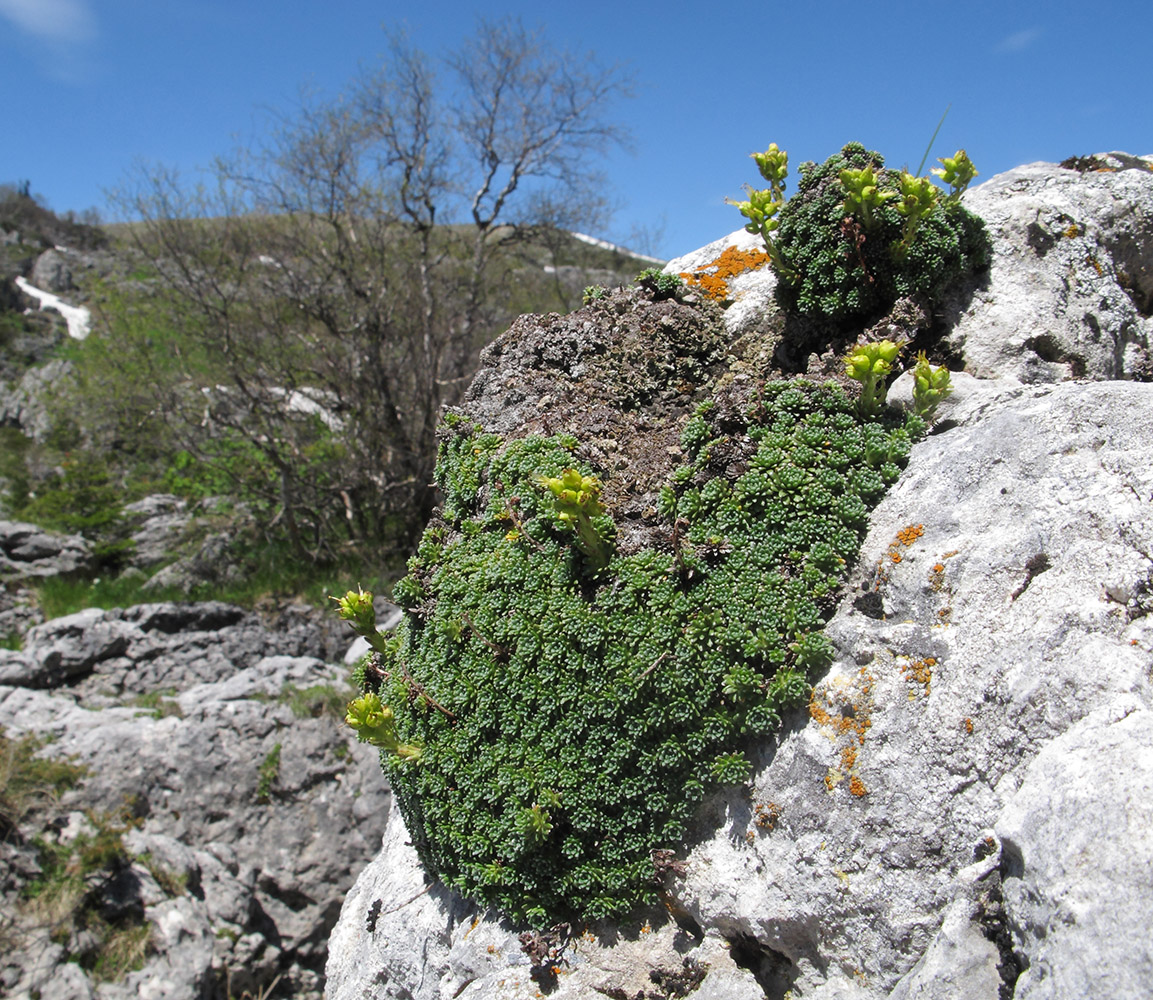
(967, 725)
(765, 817)
(1096, 264)
(937, 577)
(712, 279)
(843, 708)
(920, 672)
(904, 538)
(857, 787)
(843, 725)
(1073, 231)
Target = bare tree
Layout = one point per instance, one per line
(332, 288)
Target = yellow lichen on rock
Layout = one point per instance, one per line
(843, 708)
(712, 279)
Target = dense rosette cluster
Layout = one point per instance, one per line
(856, 237)
(570, 719)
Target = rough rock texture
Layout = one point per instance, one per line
(750, 292)
(158, 522)
(1079, 857)
(18, 610)
(252, 799)
(1069, 293)
(26, 402)
(937, 823)
(53, 271)
(103, 655)
(1026, 578)
(1070, 289)
(27, 550)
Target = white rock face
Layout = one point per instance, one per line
(1081, 858)
(751, 291)
(1071, 283)
(1070, 289)
(937, 708)
(963, 810)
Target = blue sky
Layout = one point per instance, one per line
(93, 85)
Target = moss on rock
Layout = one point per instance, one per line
(571, 717)
(841, 270)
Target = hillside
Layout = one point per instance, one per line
(93, 428)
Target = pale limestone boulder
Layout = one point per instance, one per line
(53, 271)
(27, 551)
(461, 951)
(260, 864)
(1070, 288)
(1069, 291)
(750, 297)
(1079, 858)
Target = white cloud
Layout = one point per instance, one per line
(59, 21)
(1012, 43)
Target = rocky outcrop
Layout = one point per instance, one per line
(18, 610)
(238, 805)
(158, 523)
(27, 403)
(110, 654)
(932, 824)
(27, 550)
(1070, 289)
(1069, 292)
(53, 271)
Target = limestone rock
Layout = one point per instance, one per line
(750, 292)
(158, 522)
(1079, 858)
(26, 404)
(211, 561)
(108, 654)
(251, 806)
(1070, 289)
(27, 550)
(465, 952)
(52, 272)
(18, 610)
(982, 612)
(932, 825)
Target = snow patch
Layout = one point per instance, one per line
(78, 318)
(606, 245)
